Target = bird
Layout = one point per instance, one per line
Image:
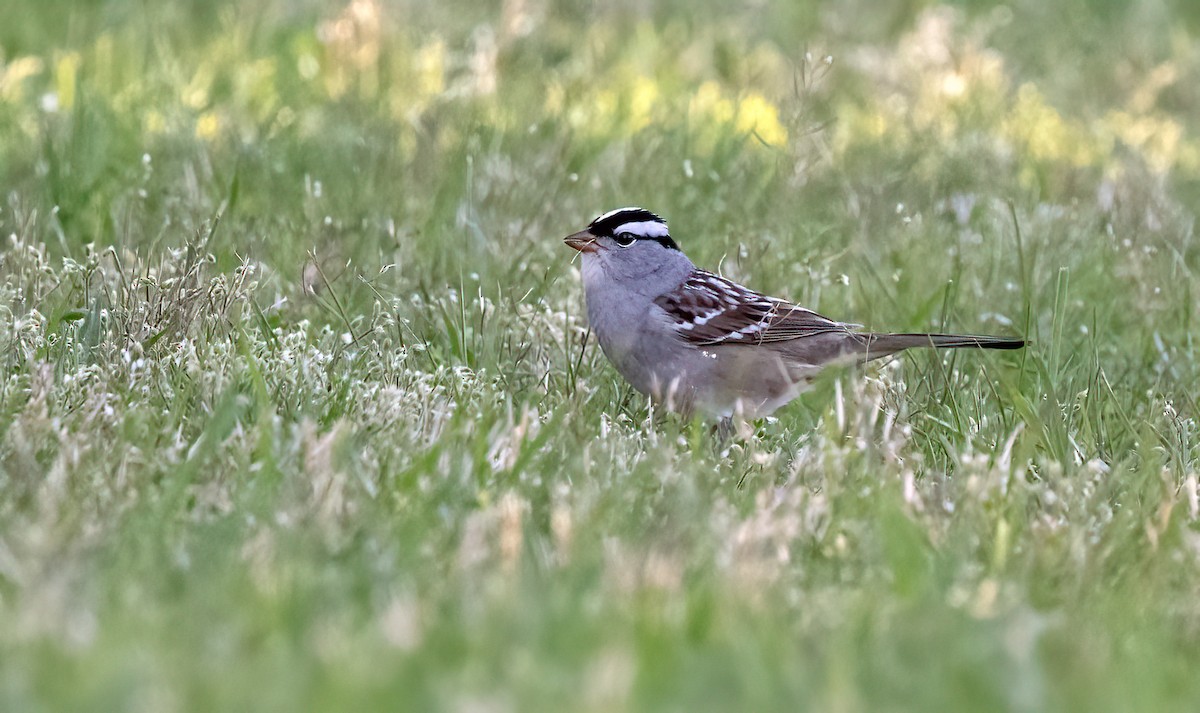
(701, 344)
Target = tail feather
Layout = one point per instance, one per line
(881, 345)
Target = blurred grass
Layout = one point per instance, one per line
(298, 410)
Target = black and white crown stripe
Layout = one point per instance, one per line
(637, 222)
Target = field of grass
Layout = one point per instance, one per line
(298, 408)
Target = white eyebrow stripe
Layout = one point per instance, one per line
(644, 229)
(611, 213)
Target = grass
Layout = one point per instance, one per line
(298, 409)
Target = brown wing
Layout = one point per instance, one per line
(709, 309)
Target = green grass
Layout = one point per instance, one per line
(298, 410)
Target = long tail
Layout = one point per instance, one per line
(881, 345)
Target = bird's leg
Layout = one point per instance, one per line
(723, 432)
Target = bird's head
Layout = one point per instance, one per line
(629, 245)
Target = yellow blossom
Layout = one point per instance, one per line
(709, 104)
(207, 126)
(1159, 139)
(431, 68)
(1045, 135)
(153, 122)
(66, 72)
(758, 116)
(642, 101)
(14, 74)
(754, 114)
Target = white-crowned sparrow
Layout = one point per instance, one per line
(695, 341)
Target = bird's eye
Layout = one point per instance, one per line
(624, 239)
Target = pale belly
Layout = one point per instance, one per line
(718, 381)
